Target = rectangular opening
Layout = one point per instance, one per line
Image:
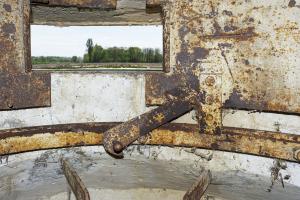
(97, 48)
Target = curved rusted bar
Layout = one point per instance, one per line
(261, 143)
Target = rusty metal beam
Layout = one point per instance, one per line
(119, 137)
(100, 4)
(128, 12)
(199, 187)
(77, 186)
(19, 88)
(158, 84)
(255, 142)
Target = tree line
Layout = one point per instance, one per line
(97, 54)
(54, 59)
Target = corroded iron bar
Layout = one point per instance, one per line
(119, 137)
(199, 187)
(74, 181)
(262, 143)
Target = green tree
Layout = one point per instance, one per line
(135, 54)
(97, 55)
(157, 56)
(74, 59)
(90, 47)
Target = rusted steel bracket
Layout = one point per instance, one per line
(77, 186)
(99, 4)
(199, 187)
(19, 88)
(210, 111)
(119, 137)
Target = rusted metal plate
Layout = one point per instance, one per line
(158, 85)
(262, 143)
(119, 137)
(199, 187)
(14, 36)
(24, 91)
(102, 4)
(74, 181)
(256, 55)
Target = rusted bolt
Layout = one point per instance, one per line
(210, 81)
(297, 154)
(209, 99)
(118, 147)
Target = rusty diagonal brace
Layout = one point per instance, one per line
(119, 137)
(75, 183)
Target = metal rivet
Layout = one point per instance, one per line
(209, 118)
(209, 99)
(297, 154)
(210, 81)
(117, 146)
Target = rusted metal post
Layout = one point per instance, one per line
(15, 37)
(74, 181)
(199, 187)
(19, 88)
(119, 137)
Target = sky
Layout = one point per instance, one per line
(70, 41)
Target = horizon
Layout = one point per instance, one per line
(71, 41)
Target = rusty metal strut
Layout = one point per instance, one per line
(119, 137)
